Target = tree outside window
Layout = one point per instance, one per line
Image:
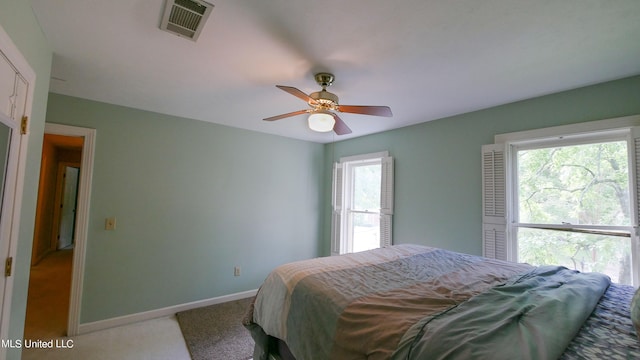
(572, 206)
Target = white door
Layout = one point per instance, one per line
(5, 196)
(69, 200)
(8, 76)
(16, 93)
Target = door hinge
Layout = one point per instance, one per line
(8, 266)
(24, 125)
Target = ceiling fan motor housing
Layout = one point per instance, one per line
(325, 99)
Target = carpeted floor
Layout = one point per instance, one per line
(216, 331)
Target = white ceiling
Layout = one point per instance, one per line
(426, 59)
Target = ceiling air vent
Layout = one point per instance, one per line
(185, 18)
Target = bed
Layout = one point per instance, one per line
(417, 302)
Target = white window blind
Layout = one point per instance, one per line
(386, 202)
(494, 202)
(336, 213)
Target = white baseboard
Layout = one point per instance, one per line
(158, 313)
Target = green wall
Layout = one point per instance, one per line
(437, 163)
(192, 200)
(17, 19)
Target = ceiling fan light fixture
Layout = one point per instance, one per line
(324, 108)
(321, 121)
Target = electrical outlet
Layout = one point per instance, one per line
(236, 271)
(110, 223)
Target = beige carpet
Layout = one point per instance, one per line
(216, 331)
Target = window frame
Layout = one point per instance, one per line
(350, 168)
(342, 199)
(560, 141)
(500, 228)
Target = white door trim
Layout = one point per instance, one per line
(82, 216)
(18, 160)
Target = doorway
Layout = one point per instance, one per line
(70, 175)
(50, 278)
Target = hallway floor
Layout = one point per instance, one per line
(47, 313)
(48, 299)
(156, 339)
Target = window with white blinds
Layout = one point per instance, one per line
(567, 196)
(362, 203)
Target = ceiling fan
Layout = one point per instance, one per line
(324, 104)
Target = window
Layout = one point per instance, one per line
(362, 200)
(565, 196)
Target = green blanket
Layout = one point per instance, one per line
(358, 306)
(415, 302)
(533, 316)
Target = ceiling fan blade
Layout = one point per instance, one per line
(278, 117)
(340, 127)
(366, 110)
(297, 93)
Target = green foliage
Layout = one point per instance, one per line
(580, 184)
(367, 182)
(583, 184)
(367, 186)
